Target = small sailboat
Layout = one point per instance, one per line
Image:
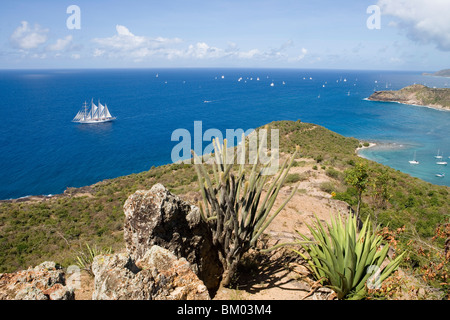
(414, 161)
(440, 175)
(438, 156)
(272, 84)
(96, 114)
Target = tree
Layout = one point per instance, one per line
(358, 177)
(380, 191)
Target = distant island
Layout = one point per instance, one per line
(442, 73)
(416, 94)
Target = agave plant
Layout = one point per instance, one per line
(234, 206)
(346, 261)
(86, 257)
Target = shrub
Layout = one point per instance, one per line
(344, 261)
(86, 257)
(292, 178)
(332, 173)
(327, 187)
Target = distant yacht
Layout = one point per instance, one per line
(438, 156)
(440, 175)
(442, 163)
(272, 84)
(96, 114)
(414, 161)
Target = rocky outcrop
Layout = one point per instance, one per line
(157, 217)
(169, 253)
(158, 275)
(44, 282)
(416, 95)
(169, 256)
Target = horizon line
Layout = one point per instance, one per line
(209, 67)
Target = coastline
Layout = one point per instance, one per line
(414, 104)
(371, 145)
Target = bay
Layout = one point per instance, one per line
(43, 152)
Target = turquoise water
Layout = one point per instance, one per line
(43, 152)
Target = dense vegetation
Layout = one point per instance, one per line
(415, 212)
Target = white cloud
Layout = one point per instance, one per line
(61, 44)
(425, 21)
(98, 52)
(25, 37)
(201, 50)
(125, 44)
(300, 56)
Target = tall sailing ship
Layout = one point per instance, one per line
(94, 114)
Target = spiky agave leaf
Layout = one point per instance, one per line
(344, 258)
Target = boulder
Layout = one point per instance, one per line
(44, 282)
(157, 217)
(158, 275)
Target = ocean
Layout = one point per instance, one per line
(42, 152)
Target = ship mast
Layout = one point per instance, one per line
(92, 108)
(85, 110)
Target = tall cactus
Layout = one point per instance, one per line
(234, 206)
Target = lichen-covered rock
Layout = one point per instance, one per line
(157, 217)
(44, 282)
(158, 275)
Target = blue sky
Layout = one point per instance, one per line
(413, 34)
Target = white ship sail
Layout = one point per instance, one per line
(94, 114)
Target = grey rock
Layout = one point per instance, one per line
(158, 275)
(43, 282)
(157, 217)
